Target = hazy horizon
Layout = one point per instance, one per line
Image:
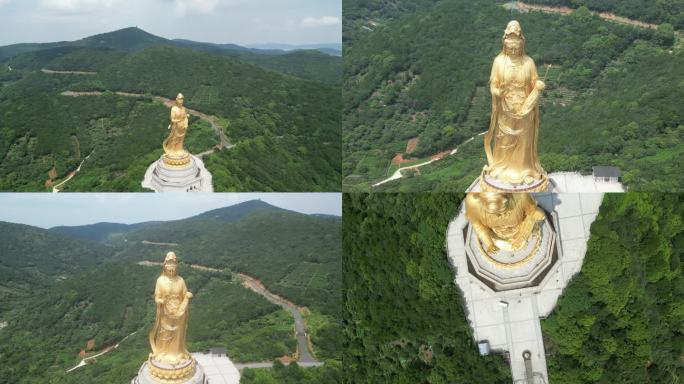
(241, 22)
(47, 210)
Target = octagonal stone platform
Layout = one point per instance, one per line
(505, 270)
(145, 376)
(194, 177)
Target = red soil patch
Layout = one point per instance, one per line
(398, 159)
(411, 145)
(440, 155)
(285, 359)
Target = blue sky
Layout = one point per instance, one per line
(241, 22)
(48, 210)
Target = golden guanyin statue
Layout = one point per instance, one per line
(174, 153)
(502, 221)
(169, 359)
(513, 135)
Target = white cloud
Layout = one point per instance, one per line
(323, 21)
(4, 2)
(197, 6)
(79, 5)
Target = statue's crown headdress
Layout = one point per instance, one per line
(170, 258)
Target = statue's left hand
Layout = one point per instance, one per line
(188, 295)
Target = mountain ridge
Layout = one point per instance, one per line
(100, 231)
(132, 39)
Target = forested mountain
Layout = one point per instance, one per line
(325, 68)
(92, 308)
(33, 258)
(416, 86)
(96, 232)
(286, 130)
(618, 321)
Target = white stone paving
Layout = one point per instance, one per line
(218, 369)
(569, 182)
(515, 327)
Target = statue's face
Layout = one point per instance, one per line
(179, 101)
(170, 269)
(513, 41)
(495, 203)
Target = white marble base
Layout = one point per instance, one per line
(496, 185)
(192, 178)
(509, 320)
(569, 182)
(144, 376)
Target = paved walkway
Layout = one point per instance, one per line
(218, 369)
(509, 320)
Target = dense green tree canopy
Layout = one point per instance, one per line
(404, 318)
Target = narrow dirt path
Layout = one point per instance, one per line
(158, 243)
(52, 72)
(603, 15)
(397, 174)
(84, 361)
(73, 173)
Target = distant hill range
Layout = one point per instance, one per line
(101, 231)
(280, 57)
(334, 49)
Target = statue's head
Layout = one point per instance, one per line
(495, 203)
(170, 267)
(179, 99)
(513, 39)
